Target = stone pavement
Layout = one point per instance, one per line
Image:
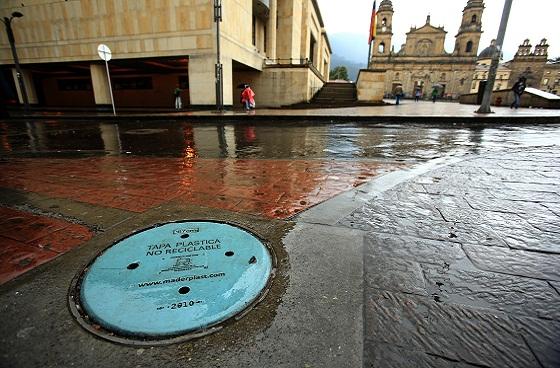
(453, 263)
(462, 265)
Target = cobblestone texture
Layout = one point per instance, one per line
(485, 234)
(456, 333)
(516, 262)
(390, 356)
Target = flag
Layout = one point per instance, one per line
(373, 24)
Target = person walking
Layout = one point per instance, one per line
(434, 94)
(177, 94)
(417, 95)
(248, 98)
(398, 93)
(518, 89)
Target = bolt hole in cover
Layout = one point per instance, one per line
(158, 285)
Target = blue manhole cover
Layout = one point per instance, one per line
(171, 280)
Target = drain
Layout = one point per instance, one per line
(159, 286)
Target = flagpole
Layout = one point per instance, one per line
(372, 33)
(368, 56)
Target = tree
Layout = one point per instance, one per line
(339, 72)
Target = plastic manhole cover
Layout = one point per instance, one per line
(171, 282)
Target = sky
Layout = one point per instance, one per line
(532, 19)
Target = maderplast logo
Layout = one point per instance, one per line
(182, 279)
(191, 230)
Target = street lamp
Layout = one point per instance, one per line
(219, 66)
(8, 23)
(487, 97)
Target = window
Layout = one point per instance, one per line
(397, 76)
(74, 85)
(469, 47)
(254, 34)
(384, 22)
(443, 76)
(265, 36)
(382, 48)
(545, 82)
(132, 83)
(474, 19)
(312, 47)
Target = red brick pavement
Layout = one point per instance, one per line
(270, 188)
(28, 240)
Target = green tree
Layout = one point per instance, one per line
(339, 72)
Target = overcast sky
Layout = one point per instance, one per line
(532, 19)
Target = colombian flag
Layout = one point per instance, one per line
(373, 24)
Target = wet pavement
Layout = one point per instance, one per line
(407, 110)
(398, 245)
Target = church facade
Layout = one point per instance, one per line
(422, 62)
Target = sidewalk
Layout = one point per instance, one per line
(453, 263)
(408, 110)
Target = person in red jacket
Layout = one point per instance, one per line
(248, 98)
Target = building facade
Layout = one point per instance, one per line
(483, 68)
(551, 78)
(529, 63)
(280, 47)
(422, 62)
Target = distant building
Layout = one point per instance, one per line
(279, 47)
(551, 78)
(422, 61)
(483, 68)
(529, 63)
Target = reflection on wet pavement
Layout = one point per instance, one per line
(271, 188)
(273, 170)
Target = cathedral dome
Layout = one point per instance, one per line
(475, 4)
(489, 52)
(386, 5)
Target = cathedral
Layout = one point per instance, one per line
(422, 62)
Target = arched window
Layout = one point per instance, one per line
(474, 19)
(469, 46)
(443, 76)
(384, 22)
(397, 76)
(382, 48)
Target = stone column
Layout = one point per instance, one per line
(111, 138)
(29, 86)
(100, 84)
(271, 31)
(202, 81)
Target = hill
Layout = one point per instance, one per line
(349, 50)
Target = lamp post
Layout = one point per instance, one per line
(485, 106)
(219, 66)
(8, 23)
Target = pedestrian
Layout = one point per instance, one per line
(398, 93)
(434, 94)
(518, 89)
(248, 98)
(417, 95)
(177, 94)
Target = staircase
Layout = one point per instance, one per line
(335, 94)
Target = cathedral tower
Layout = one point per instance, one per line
(384, 30)
(468, 37)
